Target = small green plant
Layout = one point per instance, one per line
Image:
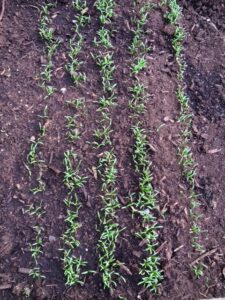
(77, 103)
(105, 7)
(103, 38)
(72, 268)
(137, 103)
(35, 210)
(74, 65)
(36, 247)
(175, 12)
(80, 5)
(103, 135)
(35, 273)
(139, 65)
(73, 133)
(198, 270)
(40, 185)
(82, 20)
(32, 155)
(138, 45)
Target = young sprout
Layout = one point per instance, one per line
(175, 12)
(105, 7)
(80, 5)
(198, 270)
(72, 268)
(77, 103)
(103, 38)
(139, 65)
(107, 67)
(35, 273)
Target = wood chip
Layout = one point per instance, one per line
(136, 253)
(213, 151)
(142, 243)
(55, 170)
(24, 270)
(122, 201)
(94, 172)
(5, 286)
(5, 276)
(125, 269)
(178, 248)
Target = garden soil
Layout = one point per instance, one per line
(22, 102)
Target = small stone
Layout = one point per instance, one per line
(52, 238)
(32, 139)
(18, 186)
(63, 90)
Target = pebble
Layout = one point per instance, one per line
(52, 238)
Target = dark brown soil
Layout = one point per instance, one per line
(22, 102)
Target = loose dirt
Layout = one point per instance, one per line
(22, 101)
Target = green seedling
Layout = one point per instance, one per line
(80, 5)
(36, 247)
(77, 103)
(51, 48)
(41, 186)
(195, 229)
(139, 65)
(48, 89)
(105, 7)
(46, 74)
(72, 268)
(177, 41)
(35, 273)
(198, 270)
(73, 133)
(45, 32)
(82, 20)
(103, 38)
(175, 12)
(35, 210)
(138, 45)
(107, 67)
(103, 135)
(32, 157)
(106, 102)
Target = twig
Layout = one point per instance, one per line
(3, 10)
(208, 253)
